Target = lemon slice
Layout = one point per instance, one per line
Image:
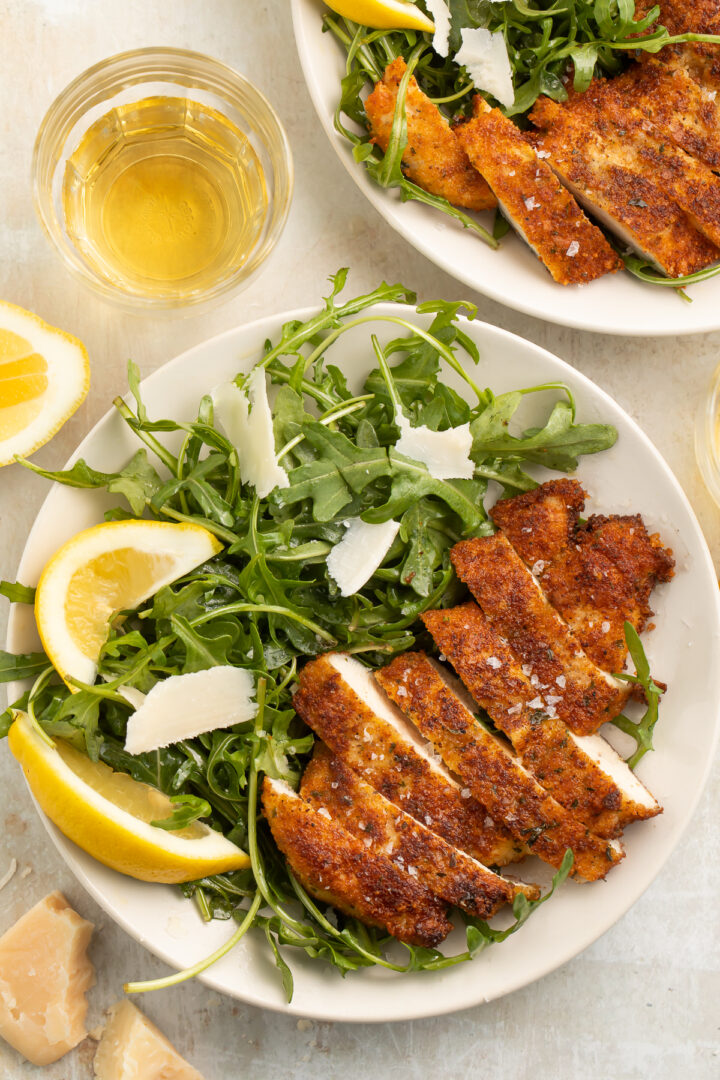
(44, 377)
(102, 570)
(383, 14)
(108, 814)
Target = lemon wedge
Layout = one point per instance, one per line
(383, 14)
(44, 377)
(108, 814)
(105, 569)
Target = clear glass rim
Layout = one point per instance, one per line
(707, 450)
(161, 63)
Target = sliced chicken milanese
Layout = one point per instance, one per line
(433, 159)
(449, 873)
(531, 197)
(583, 774)
(340, 701)
(624, 133)
(423, 691)
(337, 868)
(585, 697)
(631, 205)
(598, 575)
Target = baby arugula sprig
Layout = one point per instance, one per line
(266, 602)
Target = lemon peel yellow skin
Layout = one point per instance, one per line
(383, 14)
(104, 569)
(44, 378)
(85, 813)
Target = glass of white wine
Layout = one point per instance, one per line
(163, 178)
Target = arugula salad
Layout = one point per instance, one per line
(267, 601)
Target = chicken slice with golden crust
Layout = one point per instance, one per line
(583, 773)
(598, 575)
(425, 694)
(543, 211)
(433, 159)
(540, 523)
(630, 204)
(625, 135)
(337, 868)
(415, 849)
(340, 701)
(514, 603)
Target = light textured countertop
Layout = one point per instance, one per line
(643, 1001)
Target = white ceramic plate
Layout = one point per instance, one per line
(683, 651)
(617, 304)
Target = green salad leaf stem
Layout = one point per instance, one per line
(641, 730)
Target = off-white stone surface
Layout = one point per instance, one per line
(643, 1001)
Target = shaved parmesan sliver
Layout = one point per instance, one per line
(246, 419)
(132, 695)
(484, 56)
(445, 454)
(184, 706)
(354, 560)
(440, 15)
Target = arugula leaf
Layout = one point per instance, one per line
(138, 482)
(641, 730)
(188, 808)
(17, 593)
(411, 481)
(557, 445)
(23, 666)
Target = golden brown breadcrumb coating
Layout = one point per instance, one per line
(418, 687)
(337, 868)
(433, 158)
(541, 209)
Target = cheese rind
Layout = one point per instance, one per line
(132, 1048)
(44, 974)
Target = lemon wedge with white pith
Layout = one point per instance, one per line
(108, 814)
(44, 377)
(383, 14)
(105, 569)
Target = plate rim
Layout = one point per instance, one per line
(381, 203)
(72, 855)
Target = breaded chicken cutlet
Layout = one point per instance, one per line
(519, 611)
(338, 698)
(433, 159)
(543, 211)
(583, 773)
(337, 868)
(627, 138)
(627, 200)
(598, 575)
(329, 783)
(425, 693)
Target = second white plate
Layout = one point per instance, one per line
(616, 304)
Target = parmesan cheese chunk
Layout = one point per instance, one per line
(132, 1048)
(44, 973)
(440, 14)
(184, 706)
(354, 560)
(445, 454)
(484, 56)
(246, 419)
